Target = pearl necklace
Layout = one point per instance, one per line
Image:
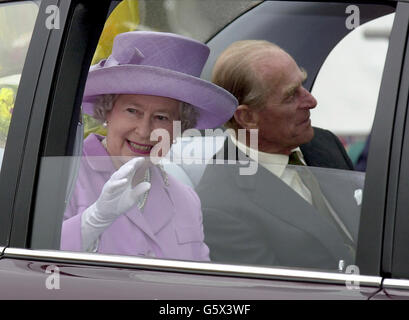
(142, 200)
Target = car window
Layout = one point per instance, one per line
(349, 81)
(14, 41)
(255, 212)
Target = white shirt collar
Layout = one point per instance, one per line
(274, 162)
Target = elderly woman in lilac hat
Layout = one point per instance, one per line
(122, 203)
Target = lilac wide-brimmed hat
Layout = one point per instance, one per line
(160, 64)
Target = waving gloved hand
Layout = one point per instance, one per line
(117, 196)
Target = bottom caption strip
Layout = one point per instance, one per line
(205, 310)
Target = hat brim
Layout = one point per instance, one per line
(215, 104)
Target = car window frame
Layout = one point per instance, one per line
(396, 257)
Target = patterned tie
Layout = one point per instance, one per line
(294, 159)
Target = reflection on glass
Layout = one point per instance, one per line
(162, 221)
(247, 219)
(261, 219)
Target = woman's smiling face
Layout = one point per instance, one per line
(132, 120)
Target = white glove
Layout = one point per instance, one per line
(117, 196)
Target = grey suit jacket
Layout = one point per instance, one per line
(258, 219)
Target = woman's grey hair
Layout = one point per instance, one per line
(188, 116)
(104, 103)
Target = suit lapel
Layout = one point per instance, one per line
(322, 204)
(274, 196)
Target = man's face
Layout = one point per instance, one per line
(284, 123)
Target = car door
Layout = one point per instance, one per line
(39, 165)
(394, 263)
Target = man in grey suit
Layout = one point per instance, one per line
(292, 211)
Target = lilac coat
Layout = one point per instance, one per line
(170, 225)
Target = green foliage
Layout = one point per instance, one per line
(92, 126)
(7, 96)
